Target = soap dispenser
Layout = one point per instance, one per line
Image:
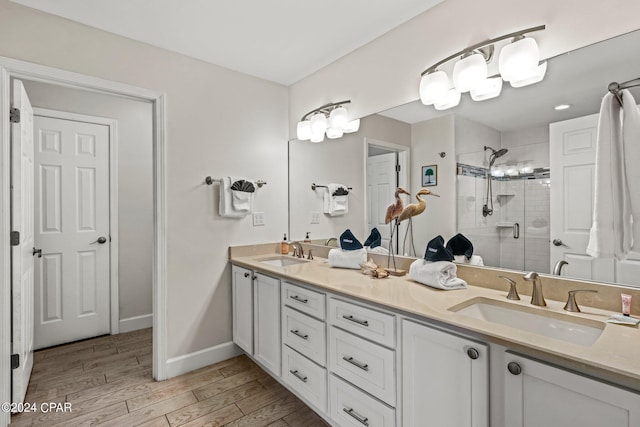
(307, 239)
(284, 245)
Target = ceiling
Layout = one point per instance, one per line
(278, 40)
(579, 78)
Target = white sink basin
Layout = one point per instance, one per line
(550, 324)
(282, 261)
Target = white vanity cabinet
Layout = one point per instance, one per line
(445, 379)
(242, 302)
(256, 316)
(537, 394)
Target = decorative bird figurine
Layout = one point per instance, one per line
(414, 209)
(395, 209)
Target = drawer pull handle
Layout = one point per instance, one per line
(298, 375)
(299, 299)
(354, 320)
(354, 362)
(362, 420)
(301, 335)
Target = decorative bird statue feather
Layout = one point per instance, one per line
(395, 209)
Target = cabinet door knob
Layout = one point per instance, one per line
(254, 278)
(473, 353)
(247, 274)
(514, 368)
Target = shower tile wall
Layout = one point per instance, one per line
(537, 250)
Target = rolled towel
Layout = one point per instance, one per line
(474, 260)
(439, 274)
(378, 250)
(347, 259)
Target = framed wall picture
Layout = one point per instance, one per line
(429, 175)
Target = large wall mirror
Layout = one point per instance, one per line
(541, 164)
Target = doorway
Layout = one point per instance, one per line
(10, 69)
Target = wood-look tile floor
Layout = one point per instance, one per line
(107, 381)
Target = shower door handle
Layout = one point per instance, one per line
(558, 242)
(516, 230)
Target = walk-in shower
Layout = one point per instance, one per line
(487, 208)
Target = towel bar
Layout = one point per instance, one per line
(314, 186)
(209, 181)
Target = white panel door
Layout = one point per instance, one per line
(72, 229)
(572, 160)
(21, 254)
(381, 186)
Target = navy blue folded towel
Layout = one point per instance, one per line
(374, 239)
(436, 250)
(348, 241)
(460, 245)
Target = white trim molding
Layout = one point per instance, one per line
(12, 68)
(201, 358)
(136, 322)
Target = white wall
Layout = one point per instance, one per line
(219, 122)
(135, 183)
(386, 72)
(339, 161)
(428, 139)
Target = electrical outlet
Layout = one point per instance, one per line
(315, 217)
(258, 219)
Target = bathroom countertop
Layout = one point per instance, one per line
(614, 357)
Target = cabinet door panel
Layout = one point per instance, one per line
(441, 384)
(546, 396)
(242, 301)
(267, 322)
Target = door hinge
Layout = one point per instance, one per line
(14, 115)
(15, 238)
(15, 361)
(397, 168)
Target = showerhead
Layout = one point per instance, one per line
(495, 154)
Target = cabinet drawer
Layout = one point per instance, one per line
(305, 377)
(367, 365)
(305, 335)
(350, 407)
(368, 323)
(305, 300)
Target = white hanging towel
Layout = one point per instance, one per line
(631, 139)
(241, 201)
(610, 234)
(438, 274)
(335, 205)
(226, 201)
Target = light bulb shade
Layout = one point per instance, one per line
(317, 137)
(541, 70)
(433, 87)
(318, 124)
(338, 118)
(469, 72)
(519, 60)
(489, 88)
(352, 126)
(333, 133)
(304, 130)
(450, 100)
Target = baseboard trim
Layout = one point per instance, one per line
(201, 358)
(134, 323)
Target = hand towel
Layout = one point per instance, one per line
(347, 259)
(241, 201)
(610, 234)
(348, 241)
(436, 250)
(460, 245)
(374, 239)
(474, 260)
(631, 139)
(439, 274)
(336, 205)
(226, 204)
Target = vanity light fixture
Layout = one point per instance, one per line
(518, 63)
(332, 119)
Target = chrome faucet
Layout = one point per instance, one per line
(557, 269)
(329, 240)
(536, 296)
(298, 252)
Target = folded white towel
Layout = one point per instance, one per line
(474, 260)
(226, 200)
(438, 274)
(335, 205)
(347, 259)
(242, 201)
(610, 234)
(377, 250)
(631, 139)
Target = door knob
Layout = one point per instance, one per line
(558, 242)
(100, 240)
(37, 251)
